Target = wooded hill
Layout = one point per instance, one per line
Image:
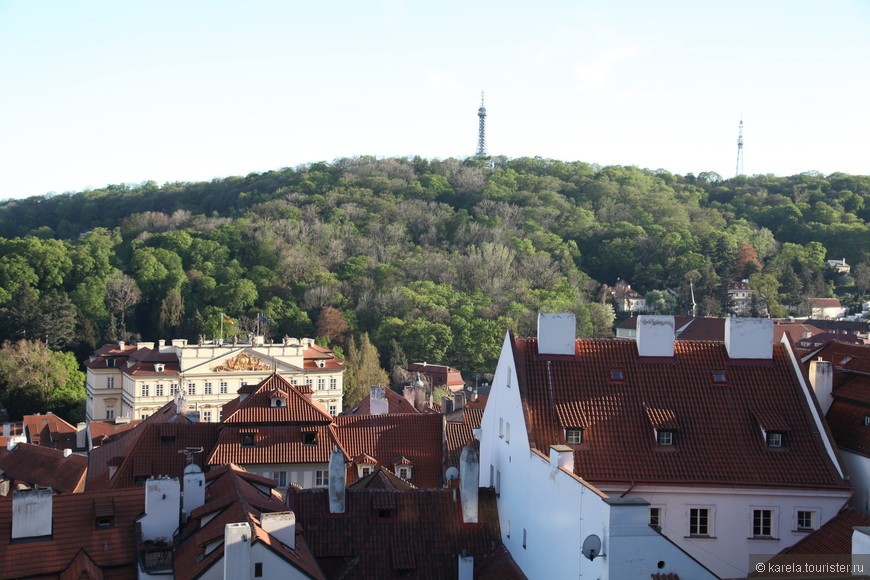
(435, 259)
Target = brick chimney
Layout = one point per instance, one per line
(337, 481)
(822, 380)
(237, 551)
(31, 513)
(749, 338)
(378, 403)
(469, 482)
(557, 333)
(655, 336)
(281, 526)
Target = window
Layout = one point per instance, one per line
(333, 383)
(664, 437)
(574, 436)
(497, 482)
(104, 522)
(309, 437)
(774, 438)
(501, 427)
(279, 402)
(333, 410)
(280, 478)
(655, 517)
(146, 390)
(110, 382)
(223, 387)
(248, 439)
(207, 388)
(258, 569)
(173, 389)
(510, 372)
(158, 389)
(806, 520)
(524, 538)
(167, 440)
(110, 412)
(507, 433)
(404, 472)
(206, 416)
(191, 388)
(321, 478)
(617, 376)
(719, 377)
(699, 522)
(762, 523)
(365, 470)
(321, 384)
(309, 382)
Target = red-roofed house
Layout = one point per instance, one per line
(826, 308)
(721, 444)
(136, 380)
(49, 430)
(439, 376)
(26, 466)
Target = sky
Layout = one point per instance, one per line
(98, 92)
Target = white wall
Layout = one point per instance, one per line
(274, 567)
(858, 468)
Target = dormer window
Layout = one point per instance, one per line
(309, 437)
(158, 367)
(278, 402)
(664, 437)
(573, 436)
(110, 362)
(774, 438)
(404, 471)
(248, 439)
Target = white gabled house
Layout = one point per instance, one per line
(670, 453)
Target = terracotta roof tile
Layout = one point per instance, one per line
(422, 533)
(113, 549)
(381, 478)
(49, 430)
(396, 403)
(36, 465)
(385, 437)
(102, 430)
(273, 444)
(846, 357)
(719, 437)
(257, 408)
(835, 537)
(846, 422)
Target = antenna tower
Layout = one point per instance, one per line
(481, 135)
(740, 150)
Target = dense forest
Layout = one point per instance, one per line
(430, 260)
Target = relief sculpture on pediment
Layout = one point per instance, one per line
(242, 362)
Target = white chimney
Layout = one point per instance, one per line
(749, 338)
(31, 513)
(82, 436)
(337, 481)
(557, 333)
(193, 495)
(562, 456)
(469, 482)
(281, 526)
(237, 551)
(162, 505)
(378, 403)
(822, 380)
(67, 452)
(121, 345)
(6, 429)
(655, 336)
(466, 567)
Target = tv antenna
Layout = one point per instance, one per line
(481, 134)
(740, 148)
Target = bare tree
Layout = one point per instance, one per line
(122, 294)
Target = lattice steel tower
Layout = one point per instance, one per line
(740, 150)
(481, 135)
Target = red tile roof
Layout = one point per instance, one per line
(257, 408)
(102, 430)
(845, 357)
(232, 496)
(381, 478)
(318, 358)
(133, 360)
(384, 533)
(458, 435)
(274, 444)
(386, 437)
(49, 430)
(113, 549)
(846, 422)
(835, 537)
(718, 439)
(35, 465)
(396, 403)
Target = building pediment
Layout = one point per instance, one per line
(244, 361)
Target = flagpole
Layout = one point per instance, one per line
(222, 326)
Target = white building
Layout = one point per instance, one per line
(136, 380)
(721, 446)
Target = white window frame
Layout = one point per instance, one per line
(333, 383)
(773, 513)
(773, 438)
(711, 520)
(158, 390)
(207, 388)
(110, 411)
(206, 416)
(333, 410)
(321, 478)
(145, 390)
(665, 437)
(814, 519)
(573, 436)
(223, 387)
(191, 388)
(660, 515)
(110, 382)
(321, 384)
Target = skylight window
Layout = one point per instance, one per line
(719, 377)
(617, 376)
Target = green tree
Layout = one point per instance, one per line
(171, 314)
(363, 370)
(35, 379)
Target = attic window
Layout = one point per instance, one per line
(248, 439)
(404, 471)
(105, 522)
(617, 376)
(279, 402)
(664, 437)
(309, 437)
(167, 440)
(774, 438)
(110, 362)
(158, 367)
(719, 377)
(573, 436)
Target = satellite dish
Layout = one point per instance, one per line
(592, 547)
(452, 474)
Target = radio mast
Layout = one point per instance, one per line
(740, 150)
(481, 135)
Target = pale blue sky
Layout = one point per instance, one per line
(97, 92)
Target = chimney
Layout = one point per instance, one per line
(469, 481)
(466, 567)
(237, 551)
(193, 495)
(562, 456)
(337, 481)
(655, 336)
(281, 526)
(453, 408)
(67, 452)
(121, 345)
(557, 333)
(162, 508)
(749, 338)
(378, 403)
(6, 429)
(822, 380)
(82, 436)
(31, 513)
